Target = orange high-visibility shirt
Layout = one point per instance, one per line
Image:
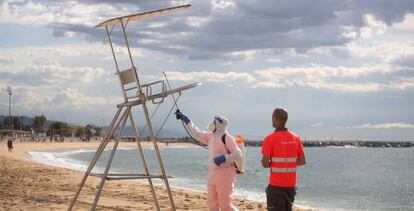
(283, 147)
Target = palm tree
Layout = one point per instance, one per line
(38, 123)
(98, 131)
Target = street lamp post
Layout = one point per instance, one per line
(10, 91)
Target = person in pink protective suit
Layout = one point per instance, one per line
(221, 157)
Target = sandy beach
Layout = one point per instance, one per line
(27, 185)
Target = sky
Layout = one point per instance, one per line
(342, 69)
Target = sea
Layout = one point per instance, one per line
(334, 178)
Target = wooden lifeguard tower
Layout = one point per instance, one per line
(135, 94)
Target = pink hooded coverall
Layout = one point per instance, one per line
(220, 178)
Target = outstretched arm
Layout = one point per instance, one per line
(192, 129)
(196, 133)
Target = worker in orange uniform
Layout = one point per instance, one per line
(282, 152)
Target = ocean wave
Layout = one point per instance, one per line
(250, 195)
(346, 147)
(58, 159)
(181, 147)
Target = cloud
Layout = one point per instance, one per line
(6, 60)
(79, 101)
(318, 124)
(406, 24)
(55, 65)
(347, 87)
(321, 77)
(53, 54)
(385, 125)
(384, 10)
(391, 51)
(316, 71)
(47, 100)
(372, 26)
(217, 77)
(402, 83)
(52, 74)
(406, 60)
(53, 77)
(70, 12)
(344, 79)
(216, 29)
(33, 99)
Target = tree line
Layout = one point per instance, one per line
(40, 125)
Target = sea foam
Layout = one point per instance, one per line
(60, 158)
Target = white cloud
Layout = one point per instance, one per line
(372, 26)
(382, 52)
(402, 83)
(56, 65)
(318, 124)
(227, 77)
(268, 84)
(218, 5)
(79, 101)
(380, 42)
(34, 99)
(244, 55)
(406, 24)
(316, 71)
(73, 12)
(44, 77)
(346, 87)
(385, 125)
(54, 54)
(6, 60)
(350, 32)
(313, 76)
(324, 77)
(43, 99)
(195, 21)
(89, 73)
(55, 73)
(274, 60)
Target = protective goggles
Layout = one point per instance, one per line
(219, 119)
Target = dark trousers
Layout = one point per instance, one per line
(280, 198)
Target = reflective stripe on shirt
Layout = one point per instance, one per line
(284, 160)
(283, 170)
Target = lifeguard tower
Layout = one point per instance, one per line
(135, 94)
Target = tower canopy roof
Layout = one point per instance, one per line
(141, 16)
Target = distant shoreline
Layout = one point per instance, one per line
(372, 144)
(257, 143)
(317, 143)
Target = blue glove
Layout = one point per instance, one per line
(219, 160)
(181, 116)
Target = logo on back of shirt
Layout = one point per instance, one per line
(288, 142)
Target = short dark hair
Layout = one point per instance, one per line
(281, 113)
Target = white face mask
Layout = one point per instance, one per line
(212, 126)
(218, 123)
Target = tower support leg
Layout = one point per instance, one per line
(104, 142)
(111, 157)
(144, 162)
